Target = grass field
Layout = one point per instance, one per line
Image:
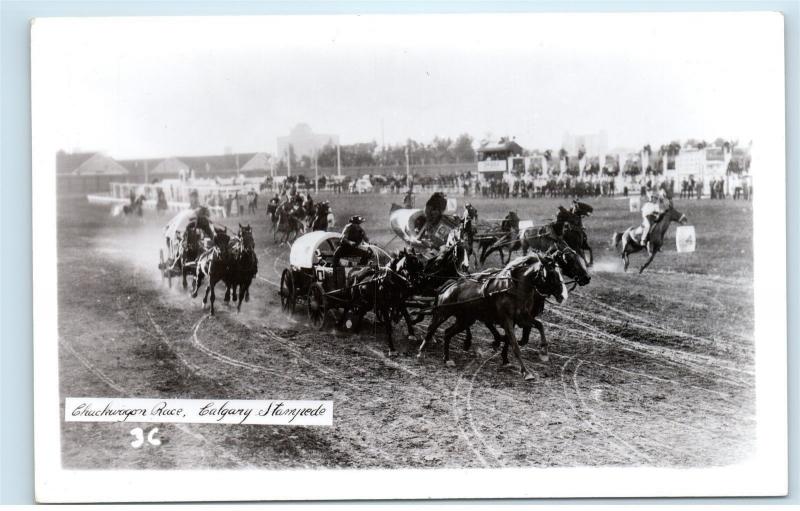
(653, 369)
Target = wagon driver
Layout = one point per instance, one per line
(353, 237)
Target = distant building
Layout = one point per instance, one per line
(260, 162)
(497, 159)
(88, 164)
(304, 142)
(171, 166)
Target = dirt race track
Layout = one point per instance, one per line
(653, 369)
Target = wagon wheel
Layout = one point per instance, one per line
(317, 305)
(288, 293)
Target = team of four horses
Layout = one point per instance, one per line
(411, 286)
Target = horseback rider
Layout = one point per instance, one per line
(651, 211)
(470, 213)
(574, 215)
(272, 206)
(351, 241)
(510, 223)
(408, 199)
(203, 222)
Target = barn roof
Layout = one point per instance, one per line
(84, 164)
(66, 163)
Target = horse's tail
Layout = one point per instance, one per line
(615, 239)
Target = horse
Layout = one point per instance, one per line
(319, 220)
(577, 239)
(510, 240)
(272, 213)
(189, 252)
(572, 265)
(288, 222)
(135, 207)
(243, 267)
(502, 297)
(215, 264)
(383, 290)
(629, 238)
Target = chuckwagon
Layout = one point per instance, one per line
(312, 279)
(169, 261)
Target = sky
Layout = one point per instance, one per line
(156, 87)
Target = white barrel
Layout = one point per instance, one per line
(685, 239)
(634, 204)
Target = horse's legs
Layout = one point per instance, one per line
(625, 253)
(243, 290)
(227, 297)
(495, 334)
(449, 333)
(212, 283)
(436, 322)
(544, 356)
(652, 250)
(468, 340)
(509, 328)
(361, 311)
(409, 324)
(387, 320)
(208, 289)
(504, 353)
(197, 281)
(526, 334)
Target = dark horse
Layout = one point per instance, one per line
(552, 251)
(576, 238)
(319, 220)
(272, 212)
(503, 297)
(215, 264)
(629, 238)
(508, 240)
(243, 267)
(573, 266)
(289, 221)
(135, 207)
(189, 252)
(571, 225)
(382, 290)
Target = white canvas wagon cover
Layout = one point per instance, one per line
(179, 222)
(304, 248)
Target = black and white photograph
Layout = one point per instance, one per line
(409, 256)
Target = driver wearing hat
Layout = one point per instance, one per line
(353, 236)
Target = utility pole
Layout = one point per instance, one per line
(408, 170)
(338, 161)
(289, 161)
(316, 174)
